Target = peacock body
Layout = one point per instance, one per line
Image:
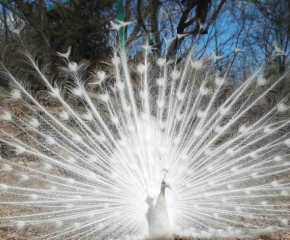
(85, 160)
(159, 225)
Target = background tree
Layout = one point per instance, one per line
(161, 20)
(81, 24)
(171, 26)
(85, 24)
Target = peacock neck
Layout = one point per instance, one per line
(162, 191)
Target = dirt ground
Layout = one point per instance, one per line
(10, 234)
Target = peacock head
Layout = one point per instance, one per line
(164, 184)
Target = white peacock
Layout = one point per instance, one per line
(84, 160)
